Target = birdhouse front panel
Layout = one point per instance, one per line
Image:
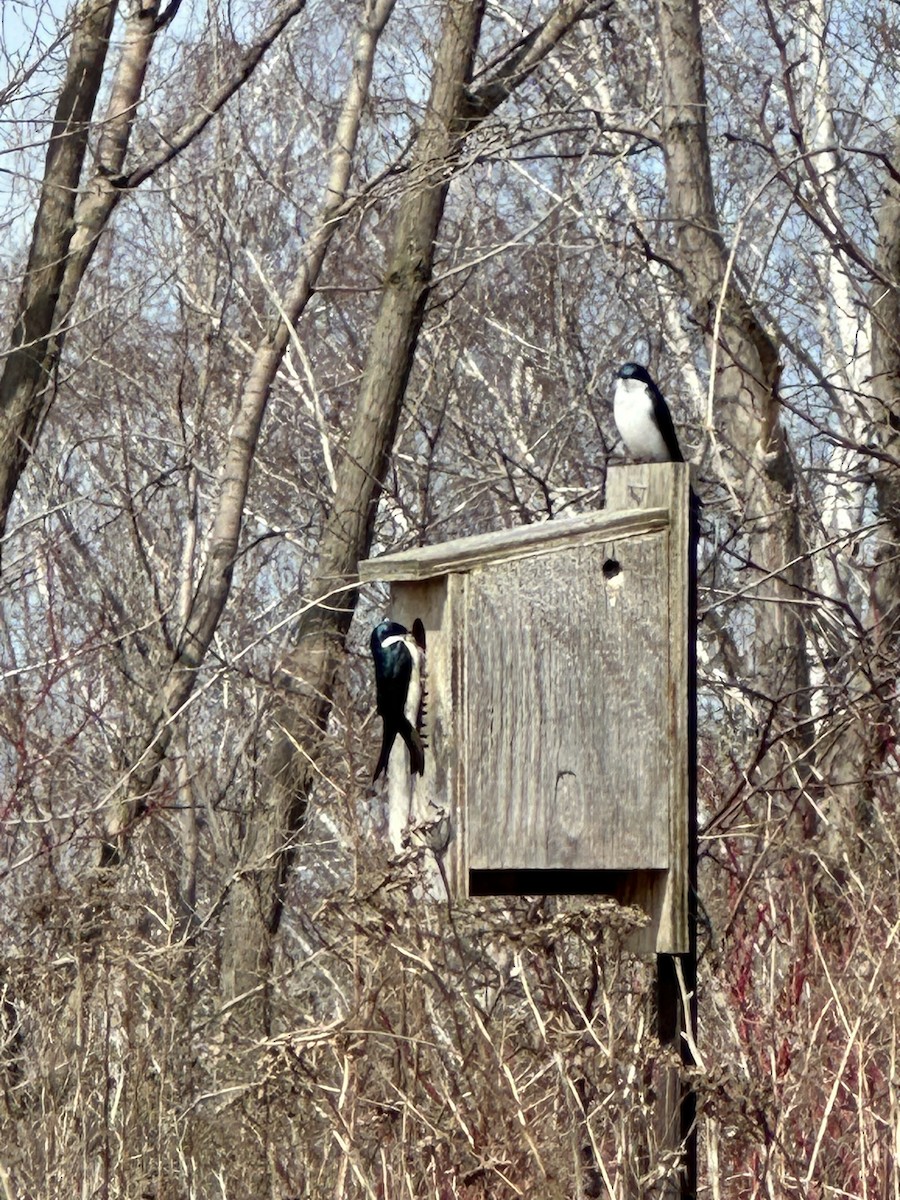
(566, 690)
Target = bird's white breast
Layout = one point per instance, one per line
(414, 694)
(636, 422)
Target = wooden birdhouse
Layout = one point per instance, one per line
(557, 718)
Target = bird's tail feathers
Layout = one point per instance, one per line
(416, 748)
(387, 742)
(414, 744)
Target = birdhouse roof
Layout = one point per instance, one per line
(464, 554)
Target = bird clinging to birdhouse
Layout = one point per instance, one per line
(399, 658)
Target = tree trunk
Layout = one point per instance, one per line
(257, 896)
(754, 454)
(28, 367)
(203, 613)
(876, 681)
(885, 307)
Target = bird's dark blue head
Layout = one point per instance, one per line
(382, 632)
(632, 370)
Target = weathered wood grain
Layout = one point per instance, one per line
(566, 687)
(463, 554)
(665, 896)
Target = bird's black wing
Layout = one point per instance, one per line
(393, 671)
(392, 679)
(415, 746)
(392, 687)
(666, 424)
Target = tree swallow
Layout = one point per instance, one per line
(399, 658)
(642, 416)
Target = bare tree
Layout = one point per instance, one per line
(336, 317)
(69, 223)
(27, 370)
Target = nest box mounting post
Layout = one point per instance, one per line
(557, 725)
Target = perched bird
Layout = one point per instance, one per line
(399, 658)
(643, 417)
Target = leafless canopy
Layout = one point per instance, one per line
(287, 283)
